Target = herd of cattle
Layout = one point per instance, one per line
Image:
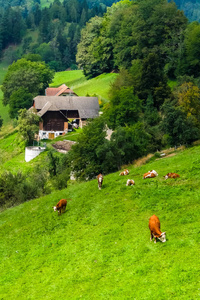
(149, 174)
(154, 222)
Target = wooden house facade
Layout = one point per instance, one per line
(59, 113)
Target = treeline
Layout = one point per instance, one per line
(191, 8)
(23, 4)
(59, 28)
(147, 42)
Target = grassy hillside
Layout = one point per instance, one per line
(100, 248)
(12, 156)
(99, 85)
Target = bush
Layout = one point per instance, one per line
(18, 188)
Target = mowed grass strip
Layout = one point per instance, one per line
(100, 248)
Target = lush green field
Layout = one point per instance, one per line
(100, 248)
(99, 85)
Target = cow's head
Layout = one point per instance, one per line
(162, 237)
(166, 176)
(54, 208)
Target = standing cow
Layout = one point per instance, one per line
(100, 181)
(61, 206)
(171, 175)
(154, 226)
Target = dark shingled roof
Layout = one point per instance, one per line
(88, 107)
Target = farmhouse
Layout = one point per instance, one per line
(62, 90)
(59, 113)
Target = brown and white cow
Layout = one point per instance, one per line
(60, 206)
(130, 182)
(125, 172)
(171, 175)
(154, 226)
(150, 174)
(100, 181)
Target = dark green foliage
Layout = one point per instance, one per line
(83, 156)
(130, 31)
(124, 109)
(151, 115)
(53, 160)
(28, 125)
(180, 128)
(18, 188)
(33, 76)
(129, 143)
(191, 59)
(94, 154)
(153, 80)
(58, 167)
(54, 24)
(18, 100)
(1, 122)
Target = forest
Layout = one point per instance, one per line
(154, 102)
(57, 28)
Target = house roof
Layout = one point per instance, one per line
(88, 107)
(63, 89)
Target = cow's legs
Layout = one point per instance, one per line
(151, 237)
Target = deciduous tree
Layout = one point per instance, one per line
(28, 125)
(32, 76)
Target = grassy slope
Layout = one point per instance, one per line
(100, 248)
(80, 85)
(12, 157)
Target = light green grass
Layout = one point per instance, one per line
(68, 77)
(12, 156)
(99, 85)
(100, 248)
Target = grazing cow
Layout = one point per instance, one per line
(125, 172)
(130, 182)
(171, 175)
(150, 174)
(61, 206)
(100, 181)
(154, 226)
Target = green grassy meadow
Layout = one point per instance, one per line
(100, 247)
(99, 85)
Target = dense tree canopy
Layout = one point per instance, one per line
(32, 76)
(132, 30)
